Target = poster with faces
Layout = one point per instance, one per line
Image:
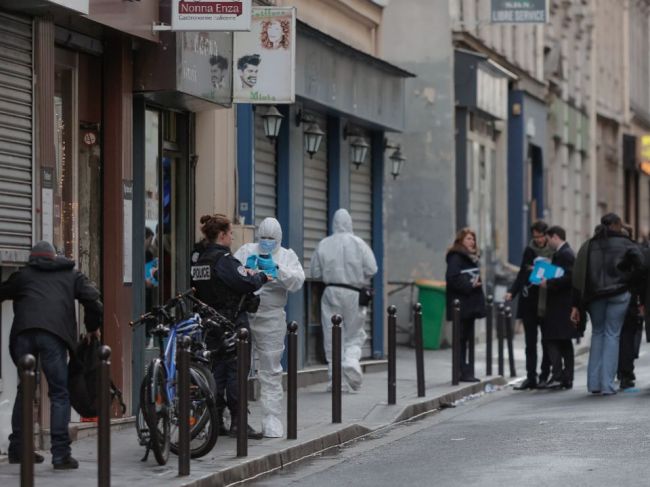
(264, 58)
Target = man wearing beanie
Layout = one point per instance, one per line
(44, 294)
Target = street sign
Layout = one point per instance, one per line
(211, 15)
(519, 11)
(264, 59)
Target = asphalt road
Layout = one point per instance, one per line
(507, 438)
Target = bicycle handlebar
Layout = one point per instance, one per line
(163, 311)
(213, 313)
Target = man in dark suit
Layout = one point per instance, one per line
(557, 329)
(532, 305)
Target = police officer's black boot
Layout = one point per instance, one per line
(252, 434)
(223, 431)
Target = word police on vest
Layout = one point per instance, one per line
(201, 272)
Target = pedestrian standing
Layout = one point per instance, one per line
(269, 324)
(223, 282)
(557, 328)
(44, 294)
(632, 331)
(532, 305)
(346, 264)
(464, 283)
(602, 279)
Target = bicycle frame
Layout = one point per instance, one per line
(188, 327)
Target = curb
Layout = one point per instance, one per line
(266, 464)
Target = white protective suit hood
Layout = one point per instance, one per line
(342, 221)
(271, 228)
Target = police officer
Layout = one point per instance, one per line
(225, 284)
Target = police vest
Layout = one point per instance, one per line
(209, 288)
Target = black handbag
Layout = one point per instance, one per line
(83, 377)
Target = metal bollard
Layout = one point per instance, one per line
(488, 334)
(500, 320)
(243, 362)
(419, 348)
(509, 338)
(455, 344)
(392, 355)
(336, 368)
(292, 382)
(104, 418)
(26, 366)
(183, 394)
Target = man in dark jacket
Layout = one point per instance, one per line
(44, 325)
(557, 328)
(532, 305)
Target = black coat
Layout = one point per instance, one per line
(528, 295)
(460, 271)
(44, 293)
(557, 323)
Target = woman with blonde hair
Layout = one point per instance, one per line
(464, 283)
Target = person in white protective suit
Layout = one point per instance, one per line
(269, 324)
(344, 263)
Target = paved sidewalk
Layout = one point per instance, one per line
(363, 412)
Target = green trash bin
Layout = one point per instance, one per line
(432, 297)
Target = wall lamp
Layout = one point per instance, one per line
(272, 122)
(358, 146)
(313, 133)
(397, 159)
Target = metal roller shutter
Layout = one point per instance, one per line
(315, 197)
(361, 212)
(15, 132)
(265, 173)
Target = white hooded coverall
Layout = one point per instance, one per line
(343, 258)
(269, 324)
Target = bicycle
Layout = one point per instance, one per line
(157, 423)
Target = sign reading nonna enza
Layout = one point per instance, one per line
(211, 15)
(519, 12)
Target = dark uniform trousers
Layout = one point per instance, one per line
(531, 329)
(562, 360)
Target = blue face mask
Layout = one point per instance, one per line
(267, 246)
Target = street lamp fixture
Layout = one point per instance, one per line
(272, 122)
(313, 133)
(313, 137)
(358, 150)
(397, 159)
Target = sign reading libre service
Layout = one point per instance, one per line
(264, 58)
(211, 15)
(519, 12)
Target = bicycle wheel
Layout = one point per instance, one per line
(157, 412)
(141, 427)
(204, 425)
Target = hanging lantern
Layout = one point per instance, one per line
(358, 150)
(397, 159)
(313, 138)
(272, 122)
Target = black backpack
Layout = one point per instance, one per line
(83, 376)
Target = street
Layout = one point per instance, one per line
(505, 439)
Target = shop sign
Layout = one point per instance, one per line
(264, 59)
(644, 166)
(519, 12)
(80, 6)
(204, 68)
(211, 15)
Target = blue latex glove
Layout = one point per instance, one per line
(251, 262)
(266, 265)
